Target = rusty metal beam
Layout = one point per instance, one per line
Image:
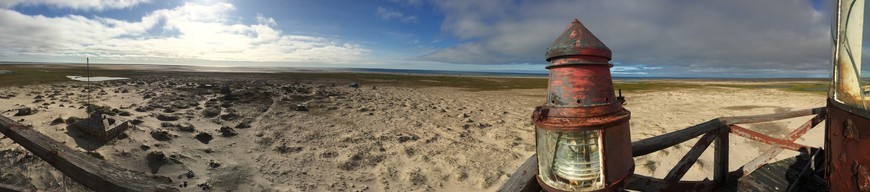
(523, 179)
(766, 156)
(690, 158)
(89, 171)
(653, 144)
(755, 136)
(771, 117)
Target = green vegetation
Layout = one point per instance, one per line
(472, 83)
(26, 74)
(46, 73)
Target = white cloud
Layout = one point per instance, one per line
(388, 14)
(190, 32)
(725, 35)
(75, 4)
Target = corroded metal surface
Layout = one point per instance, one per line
(755, 136)
(847, 142)
(581, 97)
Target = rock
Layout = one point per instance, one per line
(25, 111)
(284, 149)
(300, 107)
(57, 120)
(243, 125)
(227, 131)
(204, 137)
(186, 127)
(353, 84)
(211, 112)
(463, 115)
(161, 135)
(156, 157)
(163, 117)
(406, 138)
(225, 89)
(213, 164)
(229, 117)
(124, 113)
(136, 121)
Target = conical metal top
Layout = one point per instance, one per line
(577, 40)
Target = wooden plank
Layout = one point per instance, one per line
(12, 188)
(89, 171)
(720, 158)
(523, 179)
(755, 136)
(645, 183)
(653, 144)
(690, 158)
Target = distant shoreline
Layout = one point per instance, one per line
(505, 74)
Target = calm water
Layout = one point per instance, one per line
(80, 78)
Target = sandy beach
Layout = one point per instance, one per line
(231, 132)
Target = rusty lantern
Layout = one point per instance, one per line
(582, 131)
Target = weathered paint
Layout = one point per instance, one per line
(755, 136)
(581, 97)
(847, 142)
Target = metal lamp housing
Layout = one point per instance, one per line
(582, 131)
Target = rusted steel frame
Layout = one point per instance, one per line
(690, 158)
(720, 157)
(90, 172)
(762, 159)
(755, 136)
(653, 144)
(646, 183)
(771, 117)
(523, 179)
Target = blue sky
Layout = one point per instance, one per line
(740, 38)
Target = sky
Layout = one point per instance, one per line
(649, 38)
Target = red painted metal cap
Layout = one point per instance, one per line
(578, 41)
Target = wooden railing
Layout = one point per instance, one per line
(716, 130)
(91, 172)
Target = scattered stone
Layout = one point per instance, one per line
(229, 117)
(57, 120)
(243, 125)
(227, 131)
(161, 135)
(211, 112)
(213, 164)
(463, 115)
(144, 147)
(186, 127)
(300, 107)
(136, 121)
(25, 111)
(284, 149)
(204, 137)
(163, 117)
(122, 113)
(406, 138)
(353, 84)
(329, 154)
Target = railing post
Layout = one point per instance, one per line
(720, 155)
